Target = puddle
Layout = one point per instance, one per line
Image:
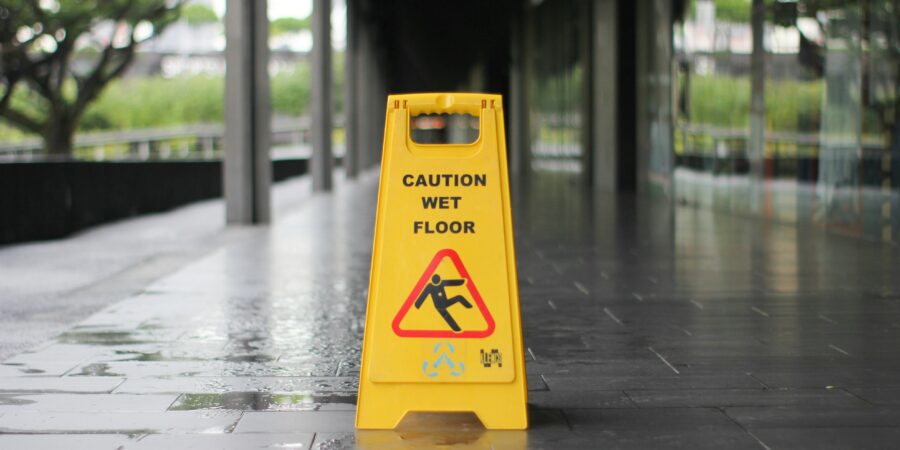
(96, 370)
(110, 338)
(12, 400)
(155, 356)
(22, 368)
(250, 358)
(337, 443)
(262, 401)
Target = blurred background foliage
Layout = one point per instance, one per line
(148, 102)
(724, 101)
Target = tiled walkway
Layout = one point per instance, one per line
(647, 326)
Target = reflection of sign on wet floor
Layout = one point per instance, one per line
(441, 293)
(444, 362)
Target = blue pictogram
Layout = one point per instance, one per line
(433, 369)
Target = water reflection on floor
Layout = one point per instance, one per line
(646, 326)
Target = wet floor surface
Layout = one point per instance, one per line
(646, 326)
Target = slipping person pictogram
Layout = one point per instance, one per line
(459, 323)
(438, 295)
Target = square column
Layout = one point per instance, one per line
(351, 96)
(246, 165)
(322, 161)
(603, 118)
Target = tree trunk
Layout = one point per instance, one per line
(59, 135)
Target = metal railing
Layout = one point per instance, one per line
(290, 138)
(700, 140)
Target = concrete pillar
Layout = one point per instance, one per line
(372, 95)
(528, 50)
(642, 52)
(351, 97)
(757, 90)
(653, 111)
(515, 105)
(605, 162)
(377, 100)
(247, 167)
(322, 161)
(662, 95)
(363, 81)
(586, 108)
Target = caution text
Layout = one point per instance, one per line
(441, 202)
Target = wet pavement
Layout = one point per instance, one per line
(646, 326)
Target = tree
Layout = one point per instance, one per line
(38, 39)
(197, 14)
(283, 25)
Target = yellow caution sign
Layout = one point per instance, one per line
(443, 332)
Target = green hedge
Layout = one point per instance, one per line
(725, 102)
(162, 102)
(159, 102)
(155, 102)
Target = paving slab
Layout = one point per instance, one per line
(872, 438)
(604, 382)
(648, 419)
(93, 385)
(36, 369)
(85, 402)
(59, 441)
(877, 395)
(119, 422)
(814, 417)
(823, 398)
(580, 399)
(265, 401)
(237, 384)
(300, 441)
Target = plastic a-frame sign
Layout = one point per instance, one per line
(443, 330)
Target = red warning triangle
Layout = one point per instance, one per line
(425, 283)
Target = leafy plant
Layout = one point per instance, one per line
(38, 40)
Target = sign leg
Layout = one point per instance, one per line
(379, 414)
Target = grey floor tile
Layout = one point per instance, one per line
(812, 377)
(624, 419)
(624, 383)
(824, 398)
(60, 441)
(172, 369)
(229, 441)
(815, 417)
(824, 438)
(57, 353)
(36, 369)
(119, 422)
(536, 383)
(877, 395)
(341, 441)
(579, 399)
(264, 401)
(54, 384)
(85, 402)
(650, 438)
(237, 384)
